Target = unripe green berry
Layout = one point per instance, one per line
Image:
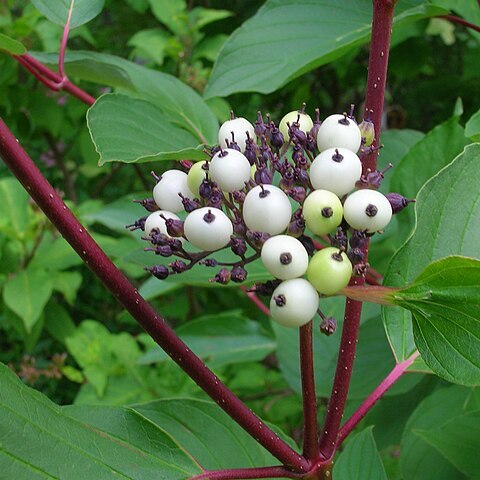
(322, 211)
(305, 122)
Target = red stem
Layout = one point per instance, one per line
(461, 21)
(373, 398)
(377, 75)
(310, 428)
(52, 79)
(75, 233)
(63, 45)
(253, 297)
(245, 473)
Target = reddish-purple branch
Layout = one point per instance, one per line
(373, 398)
(63, 45)
(75, 233)
(246, 473)
(52, 79)
(310, 429)
(461, 21)
(377, 75)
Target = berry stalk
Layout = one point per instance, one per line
(246, 473)
(93, 256)
(377, 74)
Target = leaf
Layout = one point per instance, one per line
(11, 45)
(360, 460)
(58, 322)
(37, 438)
(458, 441)
(448, 215)
(197, 425)
(182, 105)
(419, 460)
(67, 283)
(27, 294)
(57, 12)
(151, 43)
(472, 128)
(13, 207)
(287, 38)
(220, 340)
(201, 17)
(124, 129)
(423, 161)
(444, 300)
(171, 13)
(55, 253)
(467, 10)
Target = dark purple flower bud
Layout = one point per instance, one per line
(238, 274)
(296, 228)
(238, 246)
(298, 194)
(259, 127)
(214, 150)
(157, 238)
(265, 289)
(263, 176)
(175, 244)
(232, 143)
(209, 262)
(163, 250)
(158, 271)
(301, 176)
(297, 135)
(328, 326)
(250, 150)
(178, 266)
(239, 227)
(174, 227)
(137, 224)
(216, 200)
(358, 239)
(356, 255)
(257, 239)
(297, 152)
(311, 144)
(307, 242)
(276, 138)
(206, 189)
(316, 125)
(373, 179)
(360, 269)
(188, 204)
(222, 277)
(148, 204)
(298, 214)
(339, 240)
(398, 202)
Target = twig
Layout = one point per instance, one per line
(461, 21)
(373, 398)
(95, 258)
(253, 297)
(310, 429)
(63, 45)
(377, 74)
(246, 473)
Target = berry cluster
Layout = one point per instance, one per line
(263, 193)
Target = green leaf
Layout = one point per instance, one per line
(58, 322)
(201, 17)
(11, 46)
(55, 253)
(171, 13)
(67, 283)
(38, 436)
(207, 425)
(444, 300)
(287, 38)
(458, 441)
(468, 10)
(57, 11)
(448, 215)
(13, 207)
(220, 340)
(151, 44)
(124, 129)
(182, 105)
(27, 294)
(419, 460)
(472, 128)
(423, 161)
(360, 460)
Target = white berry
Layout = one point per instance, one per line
(155, 220)
(336, 170)
(339, 131)
(304, 121)
(284, 257)
(267, 209)
(166, 191)
(239, 126)
(208, 228)
(230, 169)
(294, 303)
(367, 210)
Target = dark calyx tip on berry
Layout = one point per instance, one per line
(285, 258)
(337, 256)
(280, 300)
(337, 156)
(209, 217)
(327, 212)
(371, 210)
(264, 193)
(344, 121)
